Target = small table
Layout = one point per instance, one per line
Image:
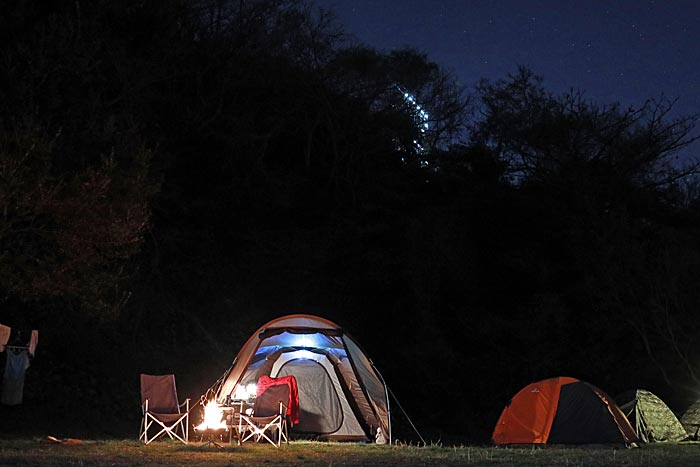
(233, 420)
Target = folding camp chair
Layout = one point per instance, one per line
(269, 418)
(159, 405)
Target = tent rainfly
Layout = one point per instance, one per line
(651, 418)
(342, 397)
(562, 410)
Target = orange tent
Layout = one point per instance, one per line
(562, 410)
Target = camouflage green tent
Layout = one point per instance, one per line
(691, 420)
(650, 417)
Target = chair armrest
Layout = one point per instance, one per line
(185, 404)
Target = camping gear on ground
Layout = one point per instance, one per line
(66, 441)
(562, 410)
(342, 396)
(691, 420)
(651, 418)
(269, 418)
(160, 407)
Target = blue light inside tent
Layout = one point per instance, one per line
(304, 340)
(312, 341)
(304, 355)
(317, 341)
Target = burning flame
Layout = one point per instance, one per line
(213, 415)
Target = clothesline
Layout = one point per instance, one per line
(14, 338)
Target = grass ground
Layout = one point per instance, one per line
(42, 452)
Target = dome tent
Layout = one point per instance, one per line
(651, 418)
(562, 410)
(342, 397)
(691, 420)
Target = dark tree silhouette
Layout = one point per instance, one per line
(74, 187)
(608, 219)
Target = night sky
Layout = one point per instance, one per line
(623, 51)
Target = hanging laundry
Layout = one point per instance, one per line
(4, 336)
(16, 366)
(33, 341)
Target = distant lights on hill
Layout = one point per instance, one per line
(420, 116)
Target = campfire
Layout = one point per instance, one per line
(213, 418)
(213, 426)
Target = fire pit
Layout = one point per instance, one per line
(213, 428)
(211, 436)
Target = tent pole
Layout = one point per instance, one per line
(388, 408)
(388, 390)
(386, 395)
(406, 415)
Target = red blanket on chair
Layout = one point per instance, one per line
(293, 405)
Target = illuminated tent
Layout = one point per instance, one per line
(342, 397)
(562, 410)
(651, 418)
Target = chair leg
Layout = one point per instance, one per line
(141, 432)
(170, 430)
(146, 425)
(186, 422)
(273, 432)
